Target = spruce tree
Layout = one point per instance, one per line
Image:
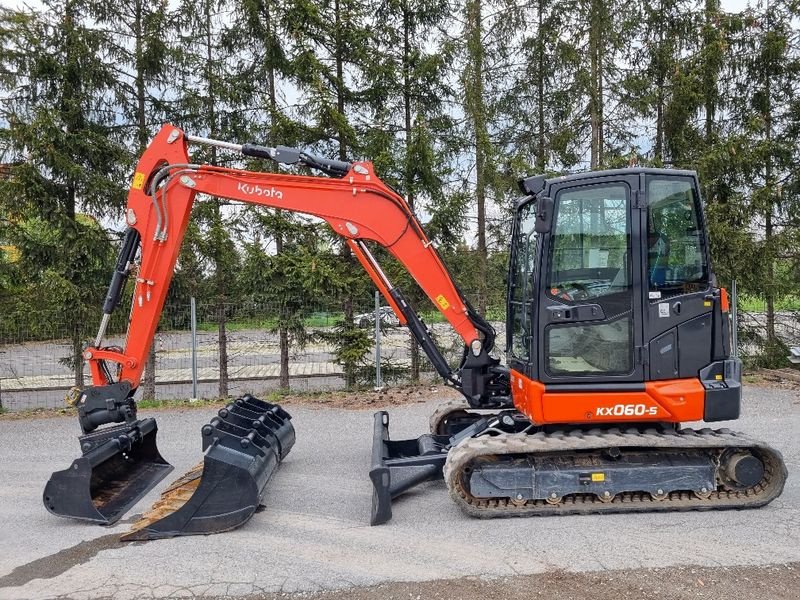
(766, 65)
(211, 102)
(409, 122)
(66, 159)
(136, 34)
(331, 39)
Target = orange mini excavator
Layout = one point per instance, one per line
(617, 332)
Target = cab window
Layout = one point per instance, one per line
(676, 255)
(590, 244)
(523, 294)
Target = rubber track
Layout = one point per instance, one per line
(769, 488)
(443, 410)
(447, 408)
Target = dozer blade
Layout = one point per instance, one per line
(119, 465)
(243, 446)
(399, 465)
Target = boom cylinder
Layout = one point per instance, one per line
(127, 253)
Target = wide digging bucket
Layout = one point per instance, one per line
(243, 446)
(119, 465)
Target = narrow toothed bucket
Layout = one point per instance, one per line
(243, 446)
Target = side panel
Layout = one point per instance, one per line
(672, 401)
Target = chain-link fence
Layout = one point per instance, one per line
(37, 373)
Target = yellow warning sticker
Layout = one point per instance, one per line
(138, 181)
(598, 476)
(442, 302)
(718, 377)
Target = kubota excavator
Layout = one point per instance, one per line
(617, 332)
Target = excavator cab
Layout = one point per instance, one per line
(611, 290)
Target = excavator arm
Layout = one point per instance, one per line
(353, 201)
(247, 439)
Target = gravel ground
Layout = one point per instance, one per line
(313, 535)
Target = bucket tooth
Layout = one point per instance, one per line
(242, 447)
(119, 465)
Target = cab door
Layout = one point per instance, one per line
(589, 316)
(677, 283)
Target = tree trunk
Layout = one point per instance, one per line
(223, 347)
(661, 67)
(594, 100)
(283, 342)
(283, 333)
(77, 354)
(347, 304)
(710, 66)
(149, 382)
(409, 167)
(220, 292)
(769, 180)
(477, 109)
(541, 158)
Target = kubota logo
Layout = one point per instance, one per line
(627, 410)
(257, 190)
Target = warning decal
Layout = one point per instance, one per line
(138, 181)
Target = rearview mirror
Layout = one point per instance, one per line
(544, 214)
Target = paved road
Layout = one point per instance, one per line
(314, 533)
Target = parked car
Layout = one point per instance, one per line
(388, 318)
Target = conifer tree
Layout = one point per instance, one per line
(212, 102)
(66, 160)
(766, 66)
(332, 53)
(136, 32)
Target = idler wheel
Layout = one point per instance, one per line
(744, 469)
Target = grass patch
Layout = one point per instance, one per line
(179, 403)
(318, 319)
(750, 303)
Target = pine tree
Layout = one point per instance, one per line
(405, 140)
(212, 102)
(539, 102)
(257, 34)
(332, 53)
(603, 30)
(667, 32)
(766, 65)
(66, 159)
(136, 38)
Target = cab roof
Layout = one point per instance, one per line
(534, 184)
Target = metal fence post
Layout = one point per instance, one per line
(735, 320)
(194, 347)
(378, 383)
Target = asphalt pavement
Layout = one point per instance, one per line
(314, 533)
